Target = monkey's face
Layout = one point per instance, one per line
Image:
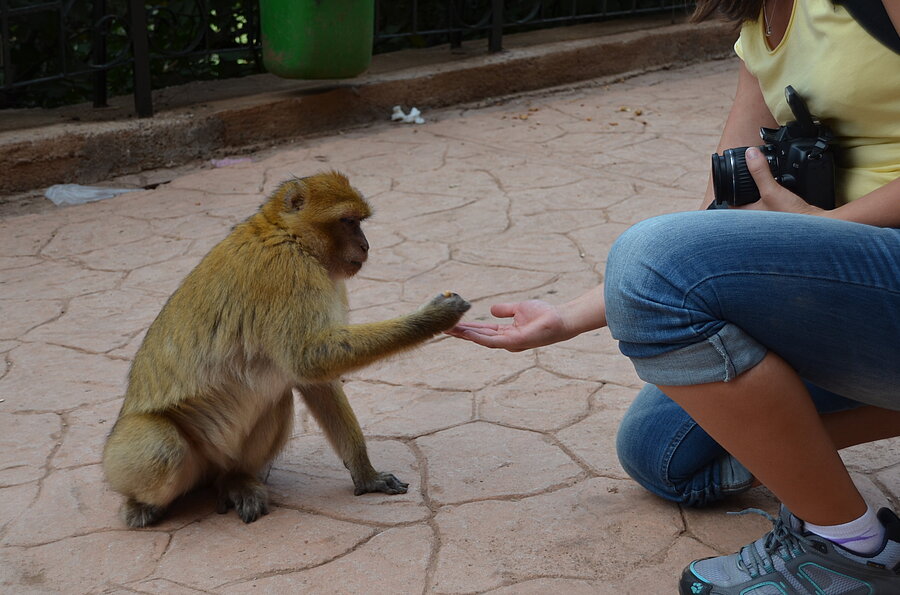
(324, 214)
(352, 248)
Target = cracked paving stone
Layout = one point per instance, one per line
(481, 460)
(597, 528)
(231, 550)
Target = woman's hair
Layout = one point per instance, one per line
(736, 11)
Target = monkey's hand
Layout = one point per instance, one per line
(444, 310)
(380, 482)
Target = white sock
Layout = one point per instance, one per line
(865, 535)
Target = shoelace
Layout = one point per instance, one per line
(781, 540)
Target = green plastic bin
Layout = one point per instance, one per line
(317, 39)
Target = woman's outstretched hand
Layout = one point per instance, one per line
(534, 323)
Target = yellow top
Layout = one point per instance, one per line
(848, 79)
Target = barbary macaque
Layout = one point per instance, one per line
(209, 396)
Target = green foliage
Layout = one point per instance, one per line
(189, 40)
(197, 40)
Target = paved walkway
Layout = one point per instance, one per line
(514, 483)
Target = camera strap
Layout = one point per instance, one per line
(872, 16)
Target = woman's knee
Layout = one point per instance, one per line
(650, 272)
(634, 257)
(661, 447)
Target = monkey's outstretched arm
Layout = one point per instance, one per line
(335, 351)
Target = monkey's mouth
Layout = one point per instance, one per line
(356, 264)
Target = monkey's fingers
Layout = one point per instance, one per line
(386, 483)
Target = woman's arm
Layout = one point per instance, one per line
(880, 207)
(536, 323)
(748, 114)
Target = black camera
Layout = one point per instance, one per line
(799, 157)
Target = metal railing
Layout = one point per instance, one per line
(62, 51)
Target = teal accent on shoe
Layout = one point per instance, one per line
(697, 574)
(791, 561)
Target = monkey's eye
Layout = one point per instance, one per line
(348, 221)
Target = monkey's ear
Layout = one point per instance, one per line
(294, 194)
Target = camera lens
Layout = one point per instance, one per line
(732, 182)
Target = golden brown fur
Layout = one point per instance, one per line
(209, 395)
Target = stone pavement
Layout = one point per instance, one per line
(514, 482)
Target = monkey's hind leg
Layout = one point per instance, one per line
(241, 488)
(148, 460)
(328, 404)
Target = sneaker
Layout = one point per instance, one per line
(791, 561)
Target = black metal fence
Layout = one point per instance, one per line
(54, 52)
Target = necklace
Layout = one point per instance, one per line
(768, 17)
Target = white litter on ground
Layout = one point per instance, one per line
(413, 117)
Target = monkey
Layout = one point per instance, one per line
(209, 399)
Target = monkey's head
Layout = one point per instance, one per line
(324, 213)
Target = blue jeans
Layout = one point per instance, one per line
(702, 296)
(662, 448)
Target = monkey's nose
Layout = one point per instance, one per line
(364, 246)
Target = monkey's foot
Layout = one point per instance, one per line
(138, 514)
(381, 482)
(245, 494)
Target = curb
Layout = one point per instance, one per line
(92, 152)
